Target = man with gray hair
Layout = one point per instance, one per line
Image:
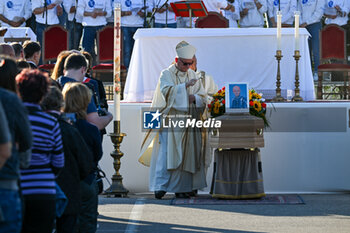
(6, 49)
(176, 163)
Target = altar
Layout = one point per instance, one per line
(19, 34)
(306, 149)
(228, 54)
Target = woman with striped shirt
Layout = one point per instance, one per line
(38, 180)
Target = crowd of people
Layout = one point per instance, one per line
(51, 128)
(50, 141)
(83, 18)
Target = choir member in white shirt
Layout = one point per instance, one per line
(14, 13)
(252, 13)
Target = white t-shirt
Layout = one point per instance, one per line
(51, 14)
(134, 6)
(233, 16)
(67, 4)
(90, 6)
(215, 5)
(12, 9)
(343, 4)
(111, 18)
(161, 17)
(311, 11)
(255, 17)
(288, 7)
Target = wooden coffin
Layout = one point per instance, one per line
(238, 131)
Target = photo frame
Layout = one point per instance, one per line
(237, 97)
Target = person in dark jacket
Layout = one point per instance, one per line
(21, 140)
(77, 97)
(78, 162)
(38, 180)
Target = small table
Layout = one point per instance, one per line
(237, 174)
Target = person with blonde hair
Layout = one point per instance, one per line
(77, 97)
(78, 162)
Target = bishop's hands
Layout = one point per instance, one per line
(191, 98)
(191, 82)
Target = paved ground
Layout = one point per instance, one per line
(142, 213)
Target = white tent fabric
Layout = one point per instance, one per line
(228, 54)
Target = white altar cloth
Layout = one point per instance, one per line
(20, 32)
(228, 54)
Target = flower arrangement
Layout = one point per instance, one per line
(217, 105)
(257, 105)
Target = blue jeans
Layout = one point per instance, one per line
(89, 36)
(314, 43)
(10, 206)
(163, 25)
(74, 34)
(128, 44)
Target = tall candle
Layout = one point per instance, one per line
(279, 26)
(296, 33)
(116, 56)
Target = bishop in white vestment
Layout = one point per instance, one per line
(174, 154)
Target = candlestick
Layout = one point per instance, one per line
(117, 188)
(296, 33)
(117, 52)
(297, 96)
(278, 97)
(279, 26)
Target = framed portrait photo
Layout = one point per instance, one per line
(237, 97)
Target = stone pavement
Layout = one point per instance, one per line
(142, 213)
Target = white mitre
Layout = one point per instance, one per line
(185, 50)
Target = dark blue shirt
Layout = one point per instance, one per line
(91, 107)
(239, 102)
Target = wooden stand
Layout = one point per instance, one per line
(190, 9)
